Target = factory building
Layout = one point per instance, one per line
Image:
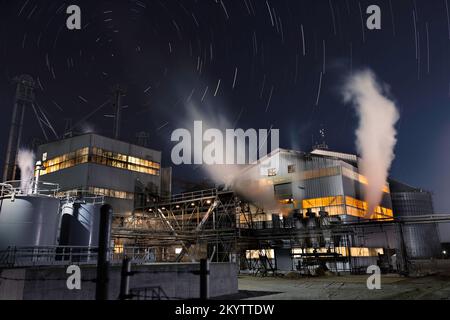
(125, 174)
(318, 181)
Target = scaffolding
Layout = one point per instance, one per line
(223, 227)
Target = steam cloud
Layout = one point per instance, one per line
(247, 185)
(25, 161)
(376, 134)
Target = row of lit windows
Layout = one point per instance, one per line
(354, 251)
(60, 165)
(354, 207)
(111, 193)
(100, 156)
(331, 210)
(362, 207)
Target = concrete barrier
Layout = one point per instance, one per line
(177, 281)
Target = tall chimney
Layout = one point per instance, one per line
(24, 96)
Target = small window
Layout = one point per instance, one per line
(291, 168)
(272, 172)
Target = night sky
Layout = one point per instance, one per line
(244, 63)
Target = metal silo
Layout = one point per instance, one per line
(28, 221)
(421, 240)
(80, 218)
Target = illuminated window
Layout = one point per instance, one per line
(359, 208)
(354, 251)
(102, 157)
(255, 254)
(353, 207)
(111, 193)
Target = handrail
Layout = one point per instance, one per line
(66, 255)
(191, 195)
(41, 188)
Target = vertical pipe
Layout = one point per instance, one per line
(118, 111)
(125, 280)
(204, 279)
(101, 292)
(10, 152)
(19, 141)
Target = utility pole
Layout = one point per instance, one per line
(125, 280)
(24, 96)
(204, 279)
(118, 93)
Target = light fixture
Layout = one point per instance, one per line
(208, 201)
(192, 204)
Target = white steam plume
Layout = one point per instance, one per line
(376, 134)
(249, 184)
(25, 161)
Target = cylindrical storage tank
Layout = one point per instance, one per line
(79, 224)
(28, 221)
(421, 240)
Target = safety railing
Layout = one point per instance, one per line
(14, 257)
(191, 195)
(17, 187)
(81, 195)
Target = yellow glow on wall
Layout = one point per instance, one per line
(360, 178)
(322, 202)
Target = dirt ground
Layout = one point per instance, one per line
(346, 287)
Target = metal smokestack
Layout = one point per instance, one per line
(24, 96)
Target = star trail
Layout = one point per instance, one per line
(257, 63)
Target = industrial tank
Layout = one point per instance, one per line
(80, 219)
(28, 221)
(421, 240)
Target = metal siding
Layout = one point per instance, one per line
(421, 240)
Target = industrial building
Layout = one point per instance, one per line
(289, 211)
(92, 164)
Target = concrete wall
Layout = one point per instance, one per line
(177, 281)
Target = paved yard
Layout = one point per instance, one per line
(344, 287)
